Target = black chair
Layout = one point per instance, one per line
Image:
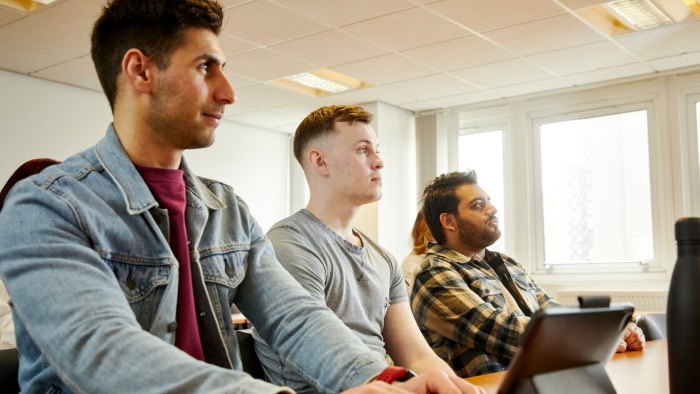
(9, 368)
(250, 360)
(653, 325)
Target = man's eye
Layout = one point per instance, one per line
(204, 67)
(363, 150)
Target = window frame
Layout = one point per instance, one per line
(598, 267)
(691, 162)
(487, 120)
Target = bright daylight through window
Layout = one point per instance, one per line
(596, 197)
(483, 152)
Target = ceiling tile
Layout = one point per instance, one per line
(609, 74)
(664, 41)
(343, 12)
(582, 58)
(367, 95)
(266, 119)
(419, 106)
(329, 48)
(8, 15)
(239, 82)
(408, 29)
(232, 45)
(509, 72)
(531, 87)
(79, 72)
(433, 86)
(79, 14)
(266, 96)
(24, 60)
(456, 100)
(672, 62)
(545, 35)
(460, 53)
(433, 52)
(578, 4)
(266, 65)
(265, 23)
(44, 36)
(298, 110)
(230, 3)
(485, 15)
(384, 69)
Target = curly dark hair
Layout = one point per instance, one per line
(439, 196)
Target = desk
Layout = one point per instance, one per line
(239, 321)
(630, 372)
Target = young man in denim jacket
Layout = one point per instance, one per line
(122, 265)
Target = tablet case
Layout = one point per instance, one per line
(565, 349)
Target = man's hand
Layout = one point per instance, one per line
(440, 382)
(632, 339)
(427, 383)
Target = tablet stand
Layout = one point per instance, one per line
(587, 379)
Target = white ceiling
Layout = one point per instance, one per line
(420, 55)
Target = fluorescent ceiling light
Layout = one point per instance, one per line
(315, 82)
(639, 14)
(320, 82)
(26, 5)
(647, 14)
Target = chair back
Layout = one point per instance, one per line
(9, 370)
(30, 167)
(249, 359)
(653, 325)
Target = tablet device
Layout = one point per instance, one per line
(566, 346)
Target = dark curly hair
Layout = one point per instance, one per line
(439, 196)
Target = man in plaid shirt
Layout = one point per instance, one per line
(473, 304)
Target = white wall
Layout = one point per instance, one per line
(255, 162)
(396, 211)
(46, 119)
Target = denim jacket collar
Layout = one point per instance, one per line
(137, 197)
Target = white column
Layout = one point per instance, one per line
(437, 150)
(389, 221)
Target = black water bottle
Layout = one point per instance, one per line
(683, 310)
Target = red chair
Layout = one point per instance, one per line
(30, 167)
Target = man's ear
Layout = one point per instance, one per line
(317, 161)
(138, 70)
(448, 221)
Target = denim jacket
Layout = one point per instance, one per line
(84, 254)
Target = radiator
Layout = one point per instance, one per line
(643, 301)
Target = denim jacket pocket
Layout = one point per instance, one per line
(490, 291)
(143, 286)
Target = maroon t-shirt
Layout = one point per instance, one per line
(168, 187)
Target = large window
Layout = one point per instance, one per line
(595, 179)
(482, 151)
